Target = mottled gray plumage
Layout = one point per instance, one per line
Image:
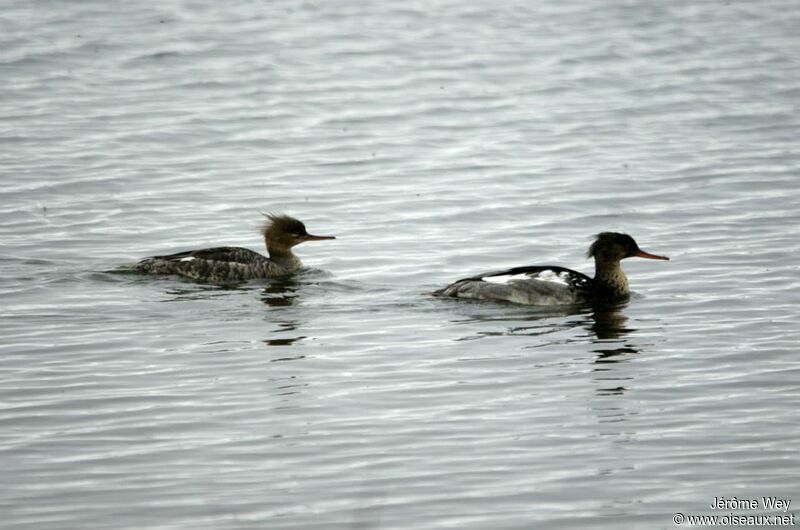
(236, 264)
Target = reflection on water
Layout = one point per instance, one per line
(195, 291)
(277, 293)
(609, 326)
(285, 326)
(280, 293)
(608, 323)
(283, 293)
(288, 341)
(522, 321)
(605, 323)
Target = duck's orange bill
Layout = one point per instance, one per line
(309, 237)
(643, 254)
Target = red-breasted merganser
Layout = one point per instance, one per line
(552, 285)
(236, 264)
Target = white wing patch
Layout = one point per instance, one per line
(188, 258)
(544, 276)
(504, 279)
(551, 276)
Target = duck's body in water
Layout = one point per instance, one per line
(553, 285)
(236, 264)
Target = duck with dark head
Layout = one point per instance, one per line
(554, 285)
(236, 264)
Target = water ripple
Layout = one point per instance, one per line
(435, 139)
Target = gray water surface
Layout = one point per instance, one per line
(436, 140)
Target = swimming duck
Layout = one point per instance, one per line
(553, 285)
(235, 264)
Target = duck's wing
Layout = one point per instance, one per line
(534, 285)
(551, 274)
(228, 254)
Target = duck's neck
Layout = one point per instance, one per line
(283, 256)
(609, 276)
